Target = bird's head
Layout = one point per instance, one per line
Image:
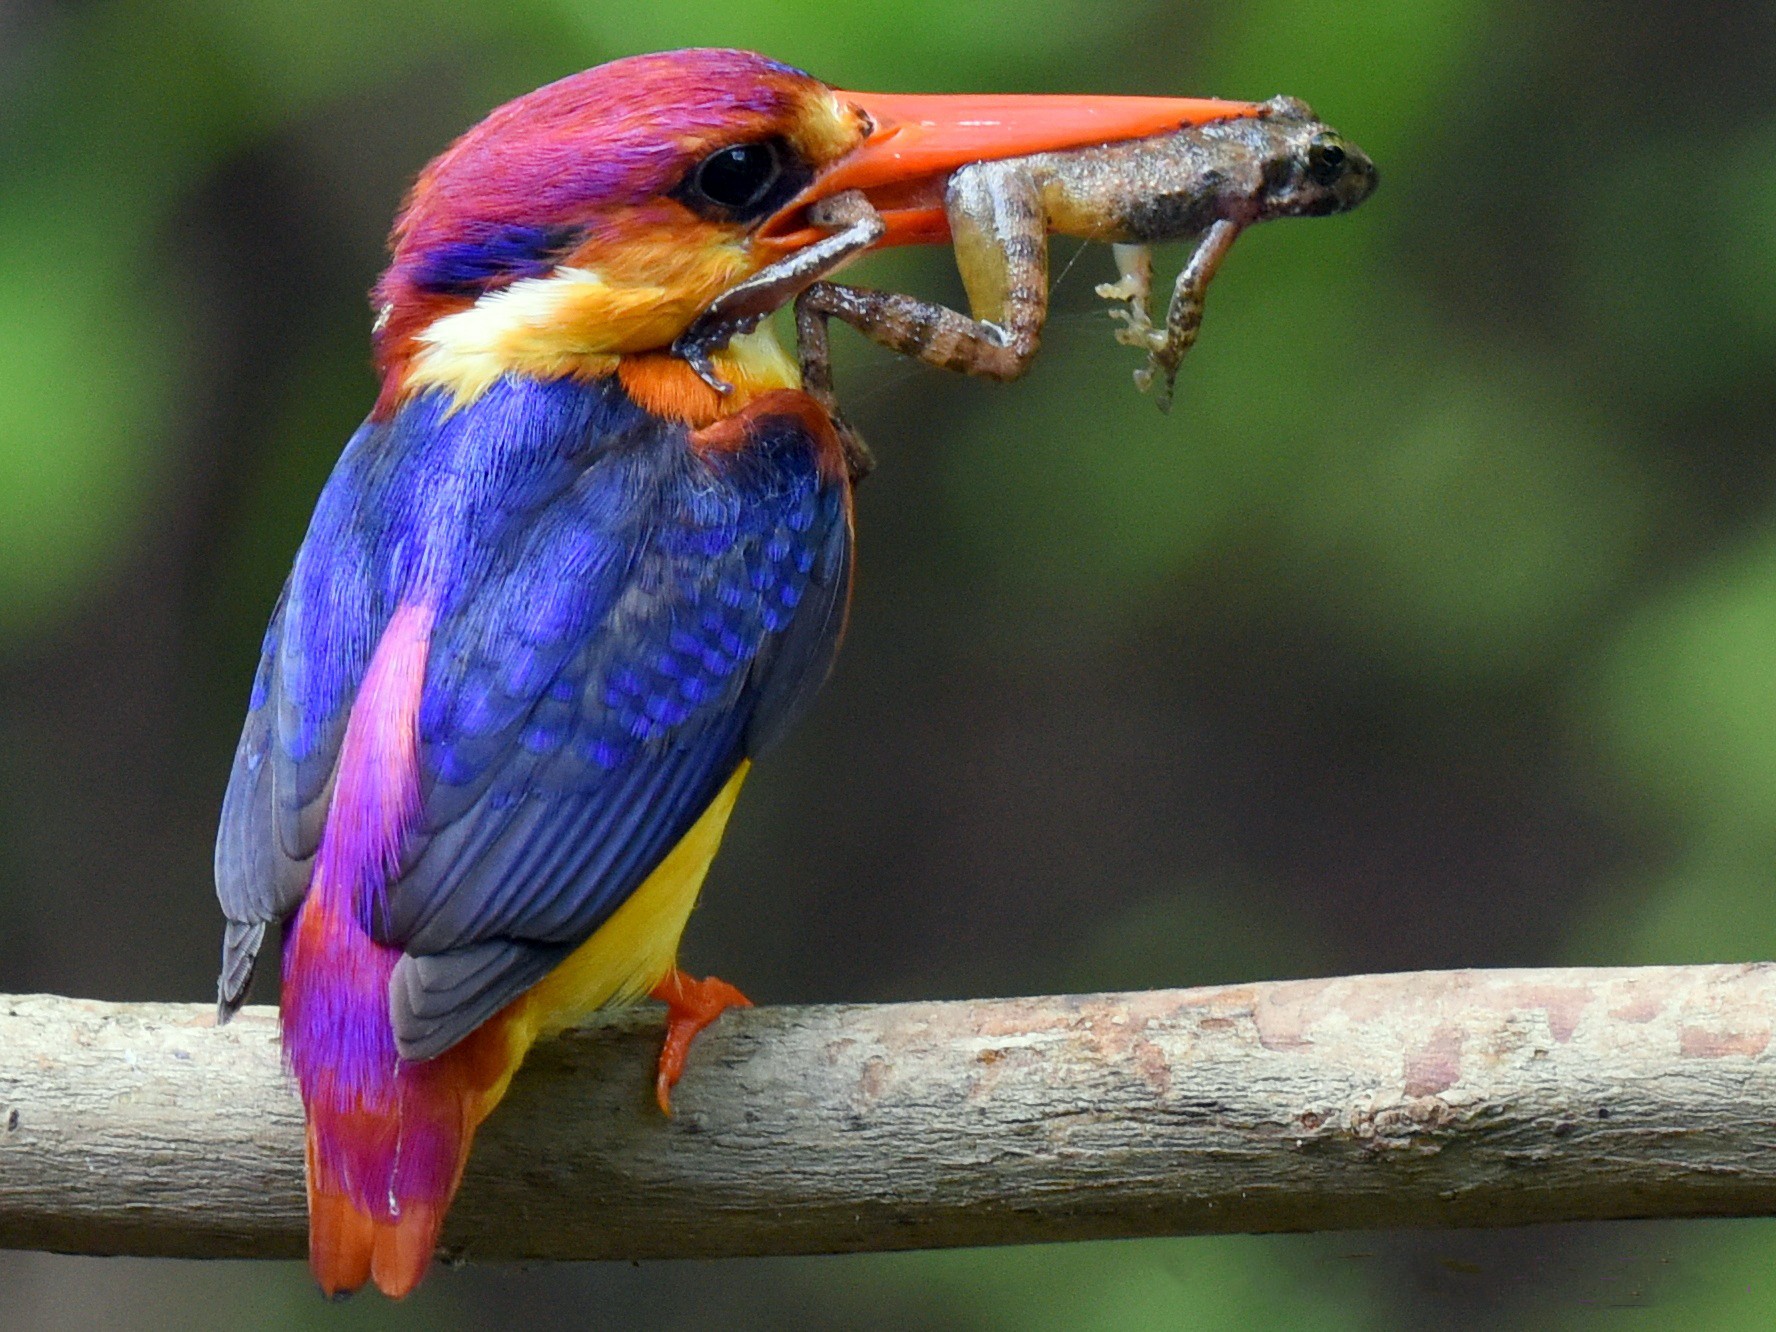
(578, 230)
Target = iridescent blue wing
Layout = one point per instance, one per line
(328, 617)
(590, 691)
(399, 488)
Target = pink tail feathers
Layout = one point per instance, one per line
(380, 1180)
(387, 1139)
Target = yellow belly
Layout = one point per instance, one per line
(632, 951)
(624, 959)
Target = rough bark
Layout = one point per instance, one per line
(1431, 1099)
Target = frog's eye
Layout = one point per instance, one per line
(1326, 159)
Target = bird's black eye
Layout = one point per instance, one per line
(736, 179)
(1325, 160)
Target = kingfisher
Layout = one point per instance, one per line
(564, 584)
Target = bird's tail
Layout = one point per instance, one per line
(381, 1178)
(352, 1239)
(387, 1138)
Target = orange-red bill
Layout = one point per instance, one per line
(917, 141)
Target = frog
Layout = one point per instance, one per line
(1203, 183)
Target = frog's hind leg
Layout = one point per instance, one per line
(853, 226)
(1000, 234)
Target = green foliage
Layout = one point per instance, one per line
(1204, 1285)
(1203, 933)
(1685, 703)
(80, 449)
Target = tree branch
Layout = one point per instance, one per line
(1438, 1098)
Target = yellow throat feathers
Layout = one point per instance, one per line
(576, 324)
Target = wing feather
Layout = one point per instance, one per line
(624, 623)
(631, 738)
(327, 618)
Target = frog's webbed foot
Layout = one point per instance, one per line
(1184, 315)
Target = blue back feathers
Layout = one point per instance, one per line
(619, 621)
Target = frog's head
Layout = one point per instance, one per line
(1309, 168)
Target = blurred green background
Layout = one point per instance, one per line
(1436, 626)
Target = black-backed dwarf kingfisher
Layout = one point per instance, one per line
(558, 593)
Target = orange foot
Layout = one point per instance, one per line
(691, 1005)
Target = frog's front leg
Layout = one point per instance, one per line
(1133, 288)
(1184, 316)
(814, 350)
(1000, 235)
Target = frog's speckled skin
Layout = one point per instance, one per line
(1174, 186)
(1205, 181)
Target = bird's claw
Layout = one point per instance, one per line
(691, 1005)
